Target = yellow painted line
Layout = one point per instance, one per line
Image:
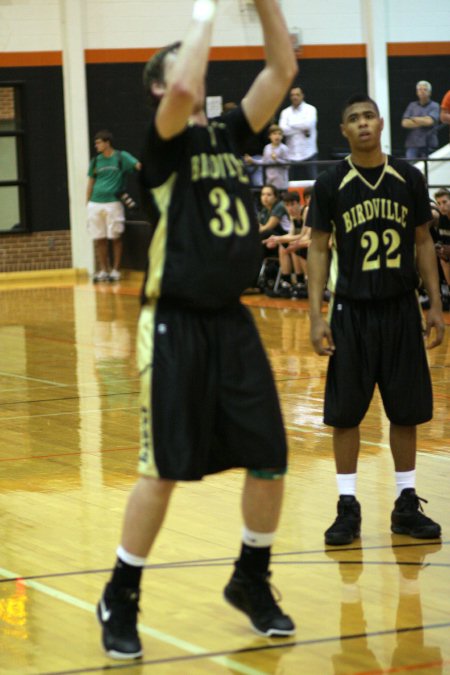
(183, 645)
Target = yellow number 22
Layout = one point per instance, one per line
(371, 241)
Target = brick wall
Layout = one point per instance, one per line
(36, 251)
(6, 103)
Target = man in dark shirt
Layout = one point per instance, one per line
(208, 399)
(376, 210)
(421, 118)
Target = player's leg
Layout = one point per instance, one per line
(407, 398)
(407, 516)
(347, 524)
(249, 589)
(348, 392)
(169, 361)
(250, 425)
(118, 608)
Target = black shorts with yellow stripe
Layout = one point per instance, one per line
(208, 399)
(378, 343)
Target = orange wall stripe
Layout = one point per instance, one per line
(357, 51)
(118, 55)
(419, 48)
(239, 53)
(25, 59)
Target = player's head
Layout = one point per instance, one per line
(155, 73)
(355, 99)
(361, 123)
(442, 198)
(103, 140)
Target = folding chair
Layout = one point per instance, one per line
(266, 281)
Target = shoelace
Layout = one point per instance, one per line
(416, 499)
(265, 595)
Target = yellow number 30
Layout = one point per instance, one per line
(223, 225)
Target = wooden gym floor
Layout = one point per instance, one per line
(68, 448)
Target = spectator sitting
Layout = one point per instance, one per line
(291, 248)
(272, 217)
(442, 198)
(275, 152)
(421, 118)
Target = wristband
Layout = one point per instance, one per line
(204, 10)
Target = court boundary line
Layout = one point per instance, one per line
(194, 650)
(218, 562)
(269, 647)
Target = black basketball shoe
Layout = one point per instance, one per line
(117, 613)
(408, 517)
(253, 596)
(347, 525)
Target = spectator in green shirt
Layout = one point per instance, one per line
(105, 210)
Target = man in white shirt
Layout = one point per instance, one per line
(299, 125)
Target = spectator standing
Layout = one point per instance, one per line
(105, 210)
(275, 152)
(378, 211)
(208, 399)
(420, 119)
(298, 123)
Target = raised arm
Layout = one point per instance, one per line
(269, 89)
(184, 86)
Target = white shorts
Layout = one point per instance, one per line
(105, 221)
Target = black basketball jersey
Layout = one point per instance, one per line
(205, 249)
(371, 215)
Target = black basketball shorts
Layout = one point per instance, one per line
(208, 398)
(378, 342)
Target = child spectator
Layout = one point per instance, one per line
(275, 152)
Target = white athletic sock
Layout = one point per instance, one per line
(257, 539)
(346, 483)
(129, 558)
(405, 479)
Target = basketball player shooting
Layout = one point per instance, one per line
(208, 399)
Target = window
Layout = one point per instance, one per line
(12, 178)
